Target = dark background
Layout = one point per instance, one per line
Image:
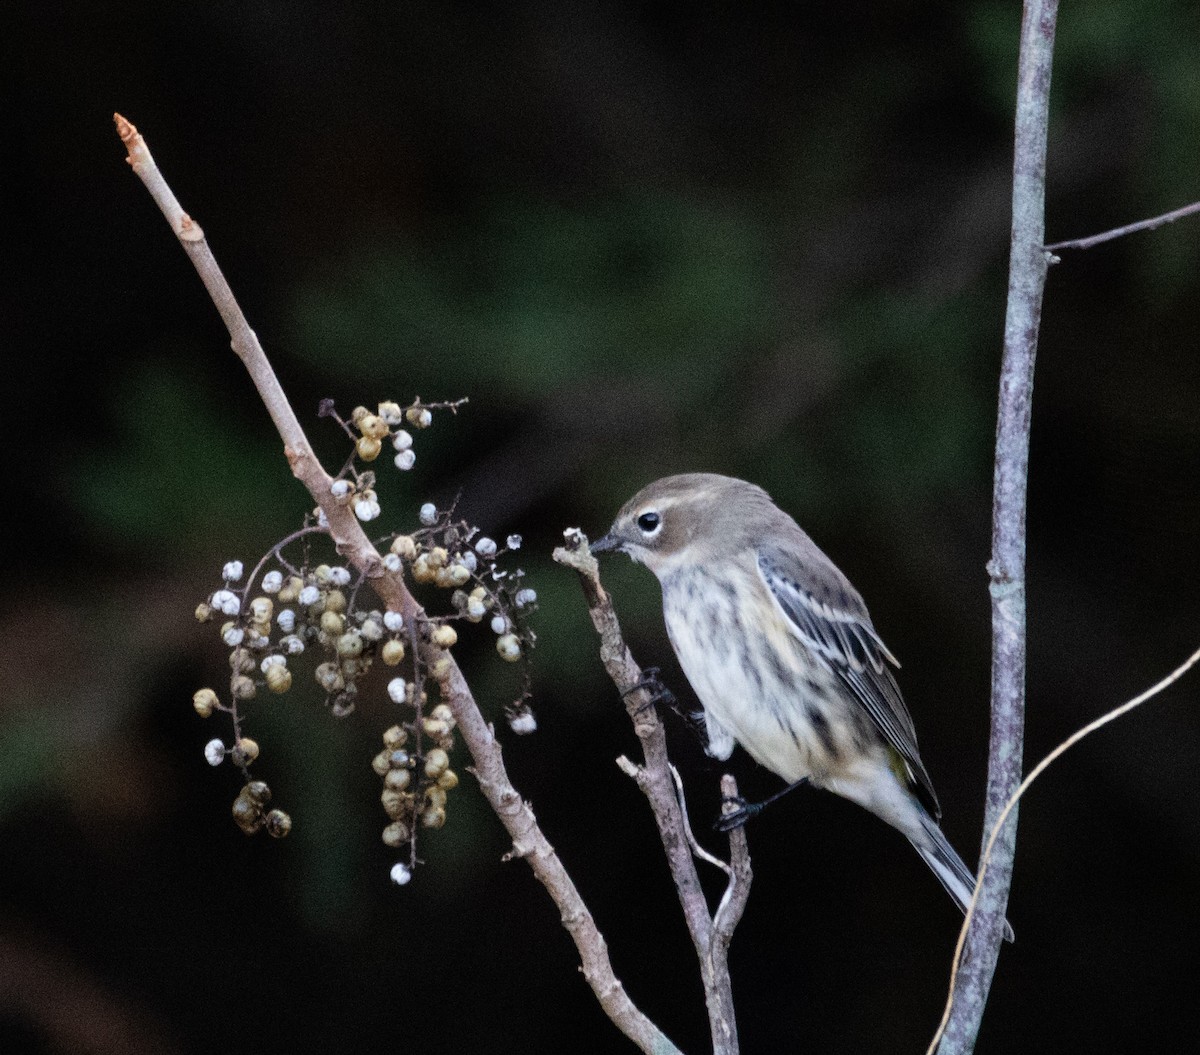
(766, 240)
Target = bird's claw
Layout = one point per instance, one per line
(742, 812)
(651, 681)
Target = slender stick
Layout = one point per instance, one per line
(1028, 265)
(710, 937)
(353, 544)
(1009, 806)
(1130, 228)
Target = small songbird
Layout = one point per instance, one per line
(781, 653)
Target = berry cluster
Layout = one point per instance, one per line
(289, 607)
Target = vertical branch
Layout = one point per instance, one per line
(1028, 265)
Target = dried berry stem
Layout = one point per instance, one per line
(354, 546)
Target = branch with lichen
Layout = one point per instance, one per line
(342, 524)
(710, 933)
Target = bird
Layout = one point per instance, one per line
(782, 654)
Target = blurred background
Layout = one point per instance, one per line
(767, 240)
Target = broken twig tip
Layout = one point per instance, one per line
(125, 128)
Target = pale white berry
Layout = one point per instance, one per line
(394, 621)
(523, 723)
(233, 636)
(525, 598)
(286, 620)
(339, 576)
(214, 752)
(340, 489)
(428, 514)
(396, 690)
(367, 509)
(322, 518)
(392, 562)
(232, 571)
(291, 644)
(309, 595)
(272, 661)
(401, 874)
(405, 460)
(486, 547)
(402, 440)
(469, 561)
(514, 542)
(272, 582)
(499, 624)
(226, 602)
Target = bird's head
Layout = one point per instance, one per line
(686, 519)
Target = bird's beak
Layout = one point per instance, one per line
(609, 544)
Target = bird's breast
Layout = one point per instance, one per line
(780, 701)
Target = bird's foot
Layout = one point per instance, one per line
(651, 681)
(743, 811)
(735, 812)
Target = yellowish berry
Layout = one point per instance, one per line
(372, 427)
(289, 592)
(279, 679)
(350, 644)
(448, 780)
(444, 636)
(261, 609)
(381, 763)
(421, 569)
(433, 817)
(509, 647)
(205, 701)
(436, 763)
(396, 834)
(247, 748)
(395, 736)
(392, 652)
(247, 814)
(404, 546)
(242, 687)
(397, 779)
(204, 612)
(335, 601)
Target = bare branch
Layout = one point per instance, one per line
(1028, 265)
(353, 544)
(1009, 806)
(1129, 228)
(656, 782)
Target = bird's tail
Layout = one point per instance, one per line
(955, 876)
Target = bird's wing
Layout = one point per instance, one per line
(825, 613)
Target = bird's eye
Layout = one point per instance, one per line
(649, 522)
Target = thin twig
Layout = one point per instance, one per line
(698, 851)
(655, 781)
(1009, 806)
(1028, 265)
(1129, 228)
(353, 544)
